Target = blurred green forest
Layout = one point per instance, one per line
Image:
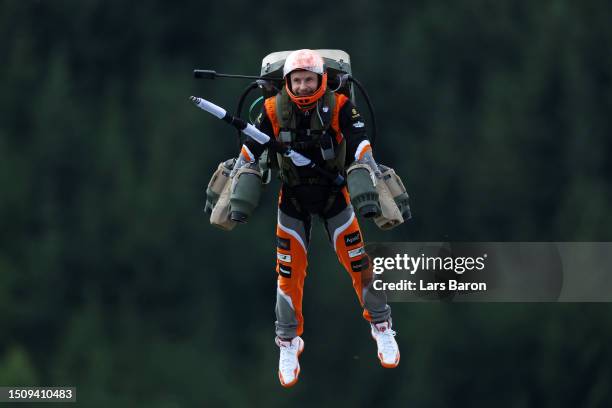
(112, 280)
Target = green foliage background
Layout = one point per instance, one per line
(112, 280)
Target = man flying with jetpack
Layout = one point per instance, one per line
(317, 134)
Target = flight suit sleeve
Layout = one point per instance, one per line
(251, 150)
(353, 129)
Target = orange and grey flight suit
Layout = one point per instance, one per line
(305, 193)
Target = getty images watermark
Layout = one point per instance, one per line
(491, 271)
(411, 264)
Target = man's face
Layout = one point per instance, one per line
(304, 83)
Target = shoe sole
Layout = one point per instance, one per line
(387, 365)
(393, 365)
(297, 375)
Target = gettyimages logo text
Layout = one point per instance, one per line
(411, 264)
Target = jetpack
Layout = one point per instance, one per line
(232, 197)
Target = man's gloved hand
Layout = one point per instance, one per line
(297, 159)
(240, 162)
(368, 159)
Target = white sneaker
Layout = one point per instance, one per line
(388, 351)
(288, 363)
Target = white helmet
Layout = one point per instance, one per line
(307, 60)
